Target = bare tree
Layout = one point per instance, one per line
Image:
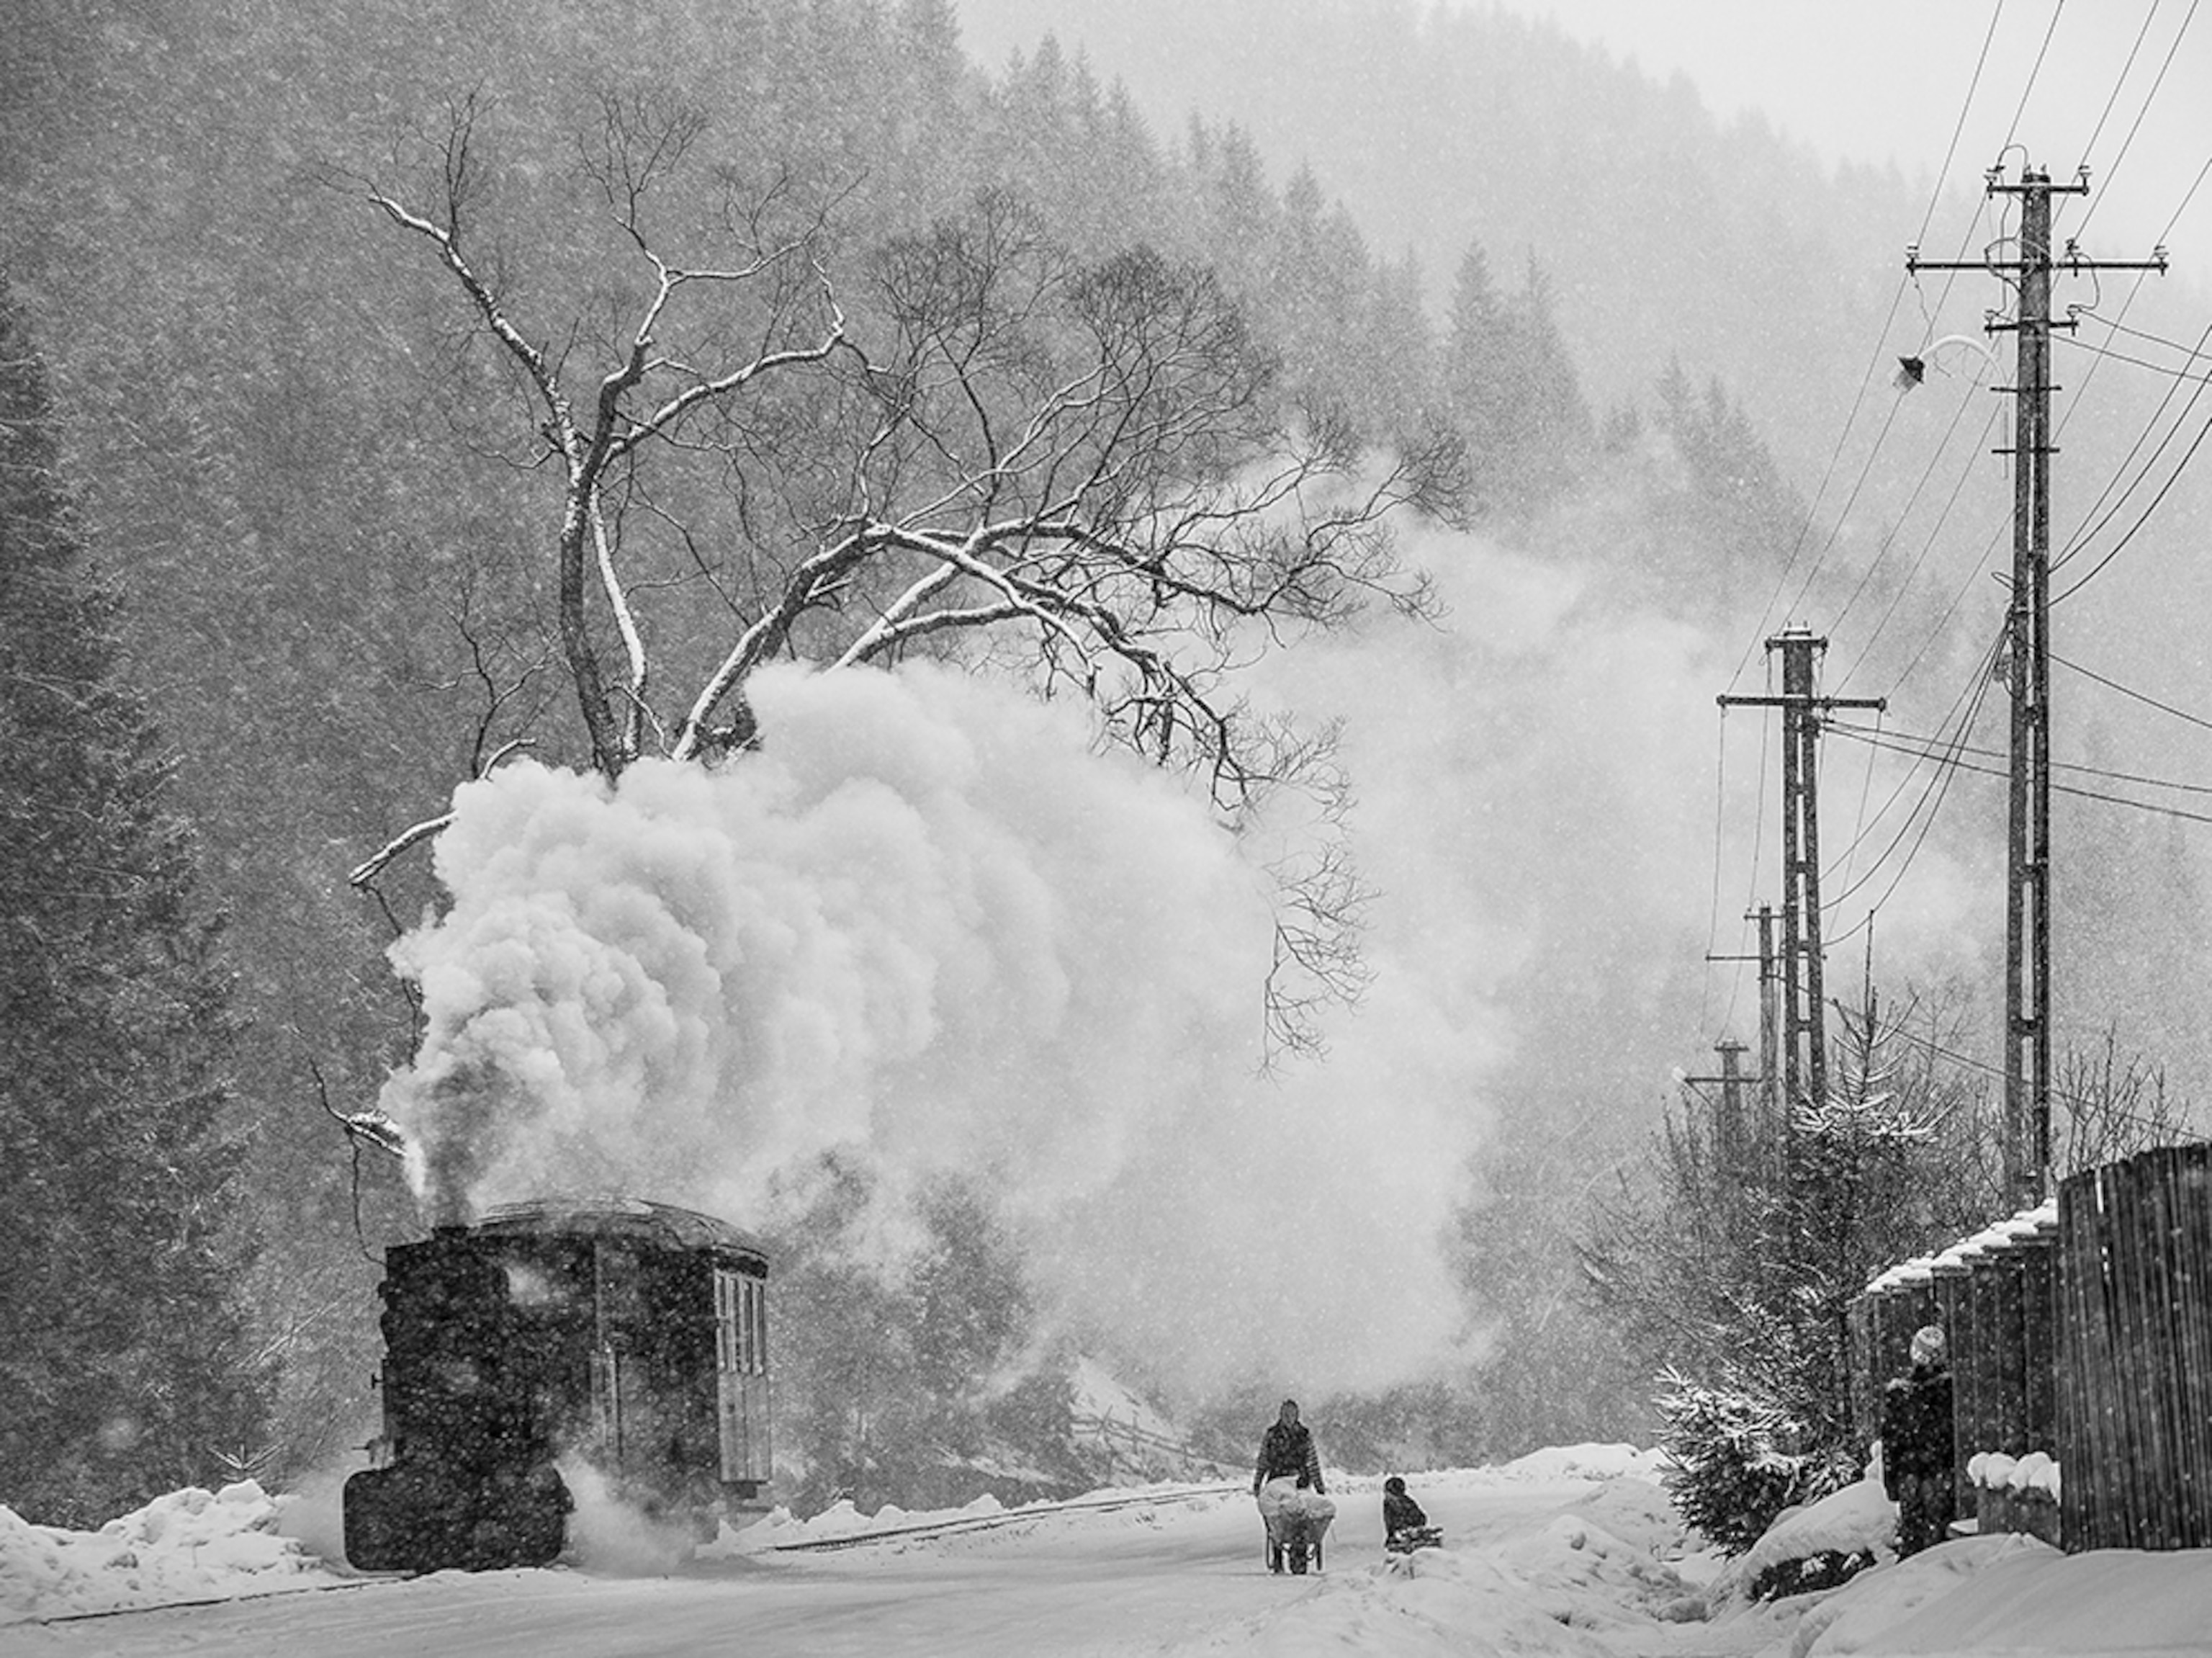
(665, 382)
(2114, 1106)
(1083, 472)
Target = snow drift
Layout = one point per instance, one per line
(191, 1545)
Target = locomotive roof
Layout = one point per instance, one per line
(623, 1218)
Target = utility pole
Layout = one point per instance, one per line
(1804, 1016)
(1769, 1076)
(1728, 1137)
(1770, 1016)
(2028, 863)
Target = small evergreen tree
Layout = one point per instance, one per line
(1732, 1266)
(1735, 1467)
(122, 1367)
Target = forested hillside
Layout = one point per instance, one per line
(323, 492)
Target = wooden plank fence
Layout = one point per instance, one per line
(1995, 1296)
(2081, 1330)
(2134, 1370)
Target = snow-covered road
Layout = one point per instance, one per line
(1570, 1553)
(1153, 1577)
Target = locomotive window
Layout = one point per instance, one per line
(740, 1324)
(726, 1322)
(757, 1324)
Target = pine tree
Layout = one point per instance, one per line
(1513, 389)
(1733, 1262)
(1733, 512)
(121, 1366)
(1547, 425)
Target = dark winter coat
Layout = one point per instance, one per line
(1916, 1426)
(1288, 1450)
(1400, 1513)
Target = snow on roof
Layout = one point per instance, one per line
(636, 1217)
(2040, 1222)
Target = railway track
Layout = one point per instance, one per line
(992, 1521)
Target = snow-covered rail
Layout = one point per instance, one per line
(1005, 1517)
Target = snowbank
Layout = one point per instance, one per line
(2015, 1594)
(1858, 1519)
(1571, 1589)
(191, 1545)
(1586, 1572)
(1591, 1462)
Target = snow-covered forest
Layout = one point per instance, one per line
(961, 663)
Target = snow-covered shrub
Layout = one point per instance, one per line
(1827, 1570)
(1735, 1465)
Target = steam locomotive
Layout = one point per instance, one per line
(630, 1335)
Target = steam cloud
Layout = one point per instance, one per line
(931, 928)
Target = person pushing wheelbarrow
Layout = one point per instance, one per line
(1287, 1484)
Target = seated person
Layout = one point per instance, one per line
(1405, 1526)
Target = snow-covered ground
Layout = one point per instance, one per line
(1572, 1551)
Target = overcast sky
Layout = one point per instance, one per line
(1887, 80)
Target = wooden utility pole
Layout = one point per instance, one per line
(2027, 892)
(1804, 1020)
(1769, 1076)
(1728, 1130)
(1770, 1016)
(1732, 1141)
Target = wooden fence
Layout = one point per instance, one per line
(1995, 1295)
(2135, 1371)
(2082, 1330)
(1882, 1320)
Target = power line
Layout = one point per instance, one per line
(2080, 1101)
(2055, 788)
(1867, 376)
(1942, 620)
(2086, 529)
(2026, 91)
(2091, 313)
(2114, 684)
(2165, 488)
(2097, 131)
(1976, 681)
(2187, 197)
(1805, 530)
(1927, 823)
(1866, 793)
(1966, 105)
(1928, 545)
(2106, 352)
(2149, 97)
(1937, 787)
(1902, 742)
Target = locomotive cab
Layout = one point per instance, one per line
(629, 1336)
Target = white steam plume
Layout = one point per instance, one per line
(929, 927)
